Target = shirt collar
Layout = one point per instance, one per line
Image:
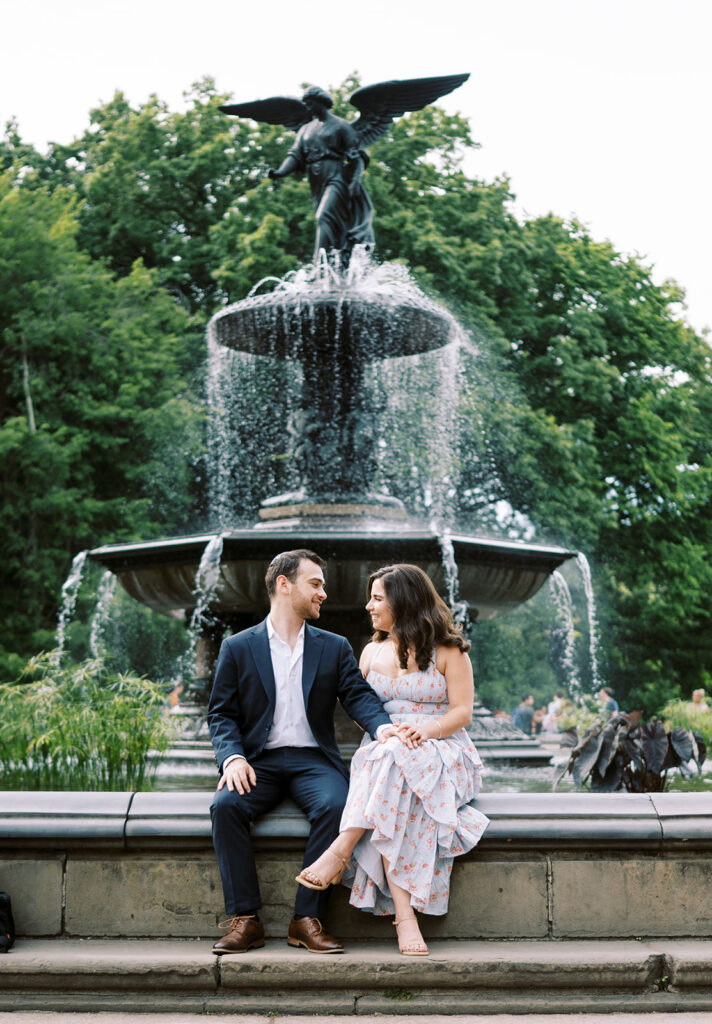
(272, 632)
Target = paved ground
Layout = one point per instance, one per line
(37, 1017)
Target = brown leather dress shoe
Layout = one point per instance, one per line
(244, 933)
(310, 933)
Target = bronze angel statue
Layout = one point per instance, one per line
(332, 150)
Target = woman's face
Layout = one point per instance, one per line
(379, 608)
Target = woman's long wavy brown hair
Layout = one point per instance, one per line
(421, 619)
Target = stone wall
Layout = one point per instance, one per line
(549, 867)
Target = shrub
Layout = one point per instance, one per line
(625, 753)
(80, 727)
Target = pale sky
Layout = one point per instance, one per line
(598, 109)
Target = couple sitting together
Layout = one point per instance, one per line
(391, 833)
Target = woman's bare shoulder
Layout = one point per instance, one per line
(449, 658)
(364, 662)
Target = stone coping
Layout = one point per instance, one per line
(523, 820)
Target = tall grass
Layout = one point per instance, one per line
(684, 713)
(80, 727)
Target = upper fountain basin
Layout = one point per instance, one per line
(307, 323)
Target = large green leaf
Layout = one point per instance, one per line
(654, 743)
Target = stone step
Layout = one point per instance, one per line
(664, 976)
(52, 1017)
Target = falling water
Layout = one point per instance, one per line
(70, 589)
(452, 580)
(105, 592)
(206, 580)
(250, 399)
(411, 403)
(585, 571)
(562, 598)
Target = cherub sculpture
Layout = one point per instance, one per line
(332, 150)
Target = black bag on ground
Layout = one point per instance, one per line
(7, 925)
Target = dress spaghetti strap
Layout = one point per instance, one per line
(377, 651)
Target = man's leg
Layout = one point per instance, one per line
(320, 790)
(231, 815)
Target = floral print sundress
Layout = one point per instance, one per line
(414, 803)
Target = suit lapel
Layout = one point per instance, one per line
(259, 646)
(310, 660)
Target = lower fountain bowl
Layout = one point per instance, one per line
(494, 576)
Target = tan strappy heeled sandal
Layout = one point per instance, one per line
(411, 948)
(318, 884)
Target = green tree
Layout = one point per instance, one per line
(98, 426)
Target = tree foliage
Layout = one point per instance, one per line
(587, 412)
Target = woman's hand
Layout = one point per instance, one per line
(405, 734)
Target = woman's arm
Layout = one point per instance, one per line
(457, 669)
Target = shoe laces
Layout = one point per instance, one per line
(232, 922)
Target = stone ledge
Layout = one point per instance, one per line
(652, 821)
(74, 816)
(458, 977)
(550, 867)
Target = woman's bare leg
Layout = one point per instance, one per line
(410, 939)
(331, 861)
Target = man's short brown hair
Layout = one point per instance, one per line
(287, 564)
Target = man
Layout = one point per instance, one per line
(608, 702)
(271, 718)
(523, 715)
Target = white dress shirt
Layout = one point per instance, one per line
(290, 727)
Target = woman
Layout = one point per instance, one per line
(408, 812)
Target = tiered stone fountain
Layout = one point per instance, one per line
(334, 334)
(331, 333)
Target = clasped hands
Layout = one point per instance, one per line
(410, 735)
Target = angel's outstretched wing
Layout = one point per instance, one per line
(284, 110)
(380, 103)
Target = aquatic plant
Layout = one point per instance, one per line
(80, 727)
(623, 753)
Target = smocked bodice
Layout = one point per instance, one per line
(422, 692)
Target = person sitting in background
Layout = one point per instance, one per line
(538, 719)
(608, 701)
(552, 718)
(555, 704)
(523, 715)
(698, 701)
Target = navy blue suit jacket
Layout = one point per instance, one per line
(242, 702)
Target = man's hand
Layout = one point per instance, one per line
(403, 732)
(239, 775)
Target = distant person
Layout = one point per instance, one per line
(523, 715)
(554, 714)
(698, 701)
(538, 719)
(555, 705)
(608, 702)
